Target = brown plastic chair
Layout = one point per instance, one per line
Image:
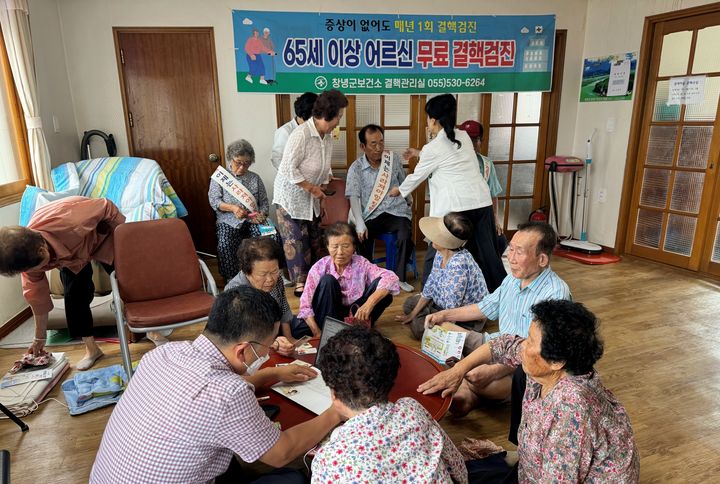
(336, 206)
(157, 283)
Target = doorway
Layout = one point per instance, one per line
(673, 215)
(168, 78)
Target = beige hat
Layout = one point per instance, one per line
(434, 229)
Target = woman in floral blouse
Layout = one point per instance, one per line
(234, 221)
(455, 281)
(341, 282)
(573, 429)
(380, 441)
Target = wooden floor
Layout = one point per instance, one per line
(662, 360)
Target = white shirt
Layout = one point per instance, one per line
(307, 157)
(453, 174)
(280, 140)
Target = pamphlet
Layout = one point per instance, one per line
(440, 344)
(312, 394)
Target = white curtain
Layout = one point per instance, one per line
(16, 33)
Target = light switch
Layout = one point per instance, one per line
(56, 124)
(610, 125)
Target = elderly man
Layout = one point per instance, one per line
(66, 235)
(531, 280)
(191, 405)
(371, 209)
(303, 110)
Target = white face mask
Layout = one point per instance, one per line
(255, 365)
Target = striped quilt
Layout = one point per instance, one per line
(137, 186)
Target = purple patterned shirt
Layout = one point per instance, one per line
(578, 433)
(183, 415)
(393, 442)
(358, 275)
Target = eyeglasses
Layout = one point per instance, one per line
(273, 346)
(267, 275)
(241, 163)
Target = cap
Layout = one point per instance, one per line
(472, 128)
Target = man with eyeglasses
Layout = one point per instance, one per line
(191, 406)
(372, 211)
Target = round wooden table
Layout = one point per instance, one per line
(415, 368)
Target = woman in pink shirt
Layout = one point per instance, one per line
(341, 282)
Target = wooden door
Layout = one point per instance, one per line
(672, 219)
(170, 94)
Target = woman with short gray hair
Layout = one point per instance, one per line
(235, 220)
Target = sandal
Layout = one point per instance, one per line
(299, 288)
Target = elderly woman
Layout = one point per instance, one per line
(572, 429)
(260, 268)
(412, 446)
(304, 171)
(449, 164)
(455, 280)
(238, 219)
(342, 282)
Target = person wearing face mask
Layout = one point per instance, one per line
(191, 406)
(449, 164)
(303, 174)
(343, 282)
(238, 219)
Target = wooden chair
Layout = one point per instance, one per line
(158, 281)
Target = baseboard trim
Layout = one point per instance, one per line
(13, 323)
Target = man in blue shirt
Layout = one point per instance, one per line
(531, 280)
(373, 212)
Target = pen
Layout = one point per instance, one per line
(266, 397)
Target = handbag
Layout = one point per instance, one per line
(353, 321)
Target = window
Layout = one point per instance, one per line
(14, 158)
(393, 113)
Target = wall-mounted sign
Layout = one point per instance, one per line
(609, 78)
(292, 52)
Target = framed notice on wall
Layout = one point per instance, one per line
(293, 52)
(609, 78)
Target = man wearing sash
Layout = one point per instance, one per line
(487, 168)
(241, 206)
(371, 209)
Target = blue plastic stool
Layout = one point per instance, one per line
(390, 259)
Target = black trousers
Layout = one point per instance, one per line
(327, 301)
(402, 228)
(483, 246)
(517, 392)
(79, 292)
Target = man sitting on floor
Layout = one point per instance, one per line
(531, 280)
(189, 407)
(372, 211)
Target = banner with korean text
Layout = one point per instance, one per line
(293, 52)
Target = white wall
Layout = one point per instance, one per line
(11, 300)
(613, 27)
(94, 84)
(53, 85)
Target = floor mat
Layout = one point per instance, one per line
(591, 259)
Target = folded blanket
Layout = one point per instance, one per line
(23, 399)
(137, 186)
(92, 389)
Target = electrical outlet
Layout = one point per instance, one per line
(602, 195)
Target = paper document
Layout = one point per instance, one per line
(312, 394)
(20, 378)
(440, 344)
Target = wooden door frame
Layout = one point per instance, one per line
(644, 68)
(168, 30)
